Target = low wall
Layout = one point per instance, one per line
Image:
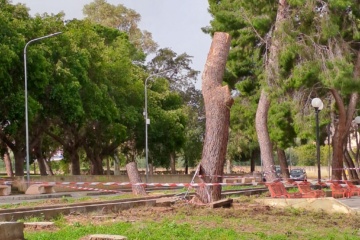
(312, 171)
(21, 182)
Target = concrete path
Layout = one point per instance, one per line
(353, 203)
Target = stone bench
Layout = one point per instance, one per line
(5, 190)
(40, 189)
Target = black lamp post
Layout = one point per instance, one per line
(318, 105)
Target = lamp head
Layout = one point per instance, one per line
(357, 120)
(317, 104)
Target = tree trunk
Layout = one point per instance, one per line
(173, 162)
(266, 149)
(254, 156)
(116, 165)
(75, 161)
(271, 73)
(228, 166)
(186, 166)
(283, 163)
(134, 177)
(343, 125)
(350, 164)
(48, 167)
(218, 101)
(19, 163)
(129, 150)
(108, 170)
(8, 164)
(96, 167)
(40, 159)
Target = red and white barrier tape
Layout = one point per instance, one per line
(92, 189)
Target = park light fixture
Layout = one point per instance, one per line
(26, 104)
(318, 105)
(357, 120)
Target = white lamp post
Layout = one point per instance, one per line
(26, 104)
(318, 105)
(147, 122)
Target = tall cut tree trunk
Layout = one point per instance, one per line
(218, 101)
(134, 177)
(272, 73)
(173, 162)
(129, 150)
(8, 164)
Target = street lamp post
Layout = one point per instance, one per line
(147, 122)
(26, 104)
(318, 105)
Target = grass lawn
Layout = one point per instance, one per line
(244, 220)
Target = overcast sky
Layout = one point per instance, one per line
(175, 24)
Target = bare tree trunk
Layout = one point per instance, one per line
(350, 164)
(116, 165)
(108, 166)
(272, 73)
(49, 170)
(75, 161)
(266, 149)
(129, 150)
(134, 177)
(218, 101)
(283, 163)
(8, 164)
(40, 159)
(228, 166)
(343, 125)
(19, 163)
(173, 162)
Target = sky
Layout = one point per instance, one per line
(175, 24)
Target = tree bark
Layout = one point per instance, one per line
(350, 164)
(218, 101)
(40, 159)
(134, 177)
(129, 150)
(173, 162)
(343, 125)
(283, 163)
(75, 160)
(272, 73)
(8, 164)
(266, 149)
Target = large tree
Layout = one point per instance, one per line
(123, 19)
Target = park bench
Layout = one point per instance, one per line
(305, 189)
(353, 190)
(5, 190)
(338, 190)
(40, 189)
(278, 190)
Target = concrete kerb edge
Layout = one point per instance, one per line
(327, 204)
(51, 213)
